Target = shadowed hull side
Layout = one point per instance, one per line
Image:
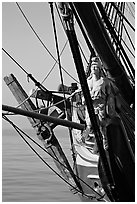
(121, 162)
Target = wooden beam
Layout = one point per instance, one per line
(43, 117)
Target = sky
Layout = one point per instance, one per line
(22, 44)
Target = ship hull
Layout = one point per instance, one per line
(87, 171)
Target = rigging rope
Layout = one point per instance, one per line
(114, 36)
(120, 13)
(15, 61)
(111, 19)
(129, 37)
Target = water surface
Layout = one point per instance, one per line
(25, 178)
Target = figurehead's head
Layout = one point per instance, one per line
(96, 67)
(96, 61)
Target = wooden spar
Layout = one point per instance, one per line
(43, 117)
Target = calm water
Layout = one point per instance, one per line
(25, 178)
